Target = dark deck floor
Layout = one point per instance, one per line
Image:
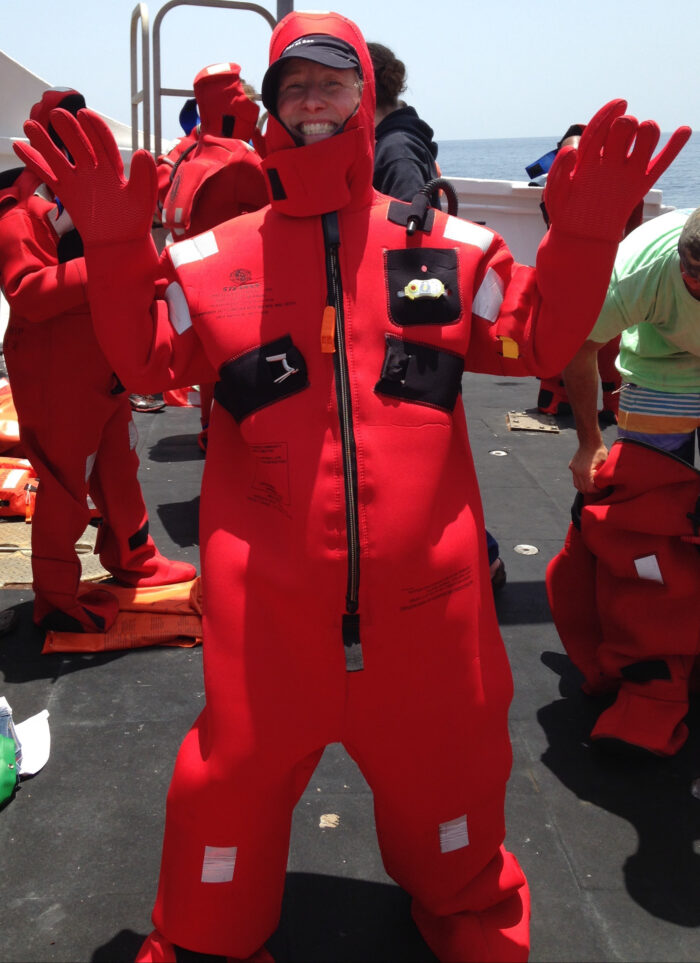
(611, 848)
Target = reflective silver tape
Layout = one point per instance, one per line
(193, 249)
(218, 864)
(454, 835)
(489, 298)
(466, 232)
(648, 568)
(90, 464)
(178, 310)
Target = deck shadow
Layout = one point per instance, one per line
(345, 920)
(653, 795)
(181, 521)
(523, 603)
(21, 658)
(325, 918)
(176, 448)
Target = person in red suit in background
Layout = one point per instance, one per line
(74, 414)
(347, 595)
(215, 172)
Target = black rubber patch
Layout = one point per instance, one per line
(278, 192)
(261, 377)
(354, 661)
(398, 213)
(139, 538)
(646, 671)
(422, 264)
(420, 374)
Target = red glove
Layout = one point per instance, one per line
(104, 206)
(592, 190)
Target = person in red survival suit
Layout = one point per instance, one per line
(220, 176)
(346, 584)
(631, 556)
(624, 596)
(74, 417)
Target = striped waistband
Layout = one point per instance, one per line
(658, 412)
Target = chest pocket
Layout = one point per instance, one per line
(421, 374)
(422, 286)
(261, 377)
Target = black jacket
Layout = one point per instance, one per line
(404, 154)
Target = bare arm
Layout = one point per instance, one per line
(581, 379)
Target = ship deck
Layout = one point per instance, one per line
(611, 847)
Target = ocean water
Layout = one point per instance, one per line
(506, 159)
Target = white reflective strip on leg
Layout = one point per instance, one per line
(648, 568)
(219, 864)
(468, 233)
(178, 309)
(13, 477)
(454, 835)
(90, 464)
(489, 297)
(133, 435)
(178, 215)
(193, 249)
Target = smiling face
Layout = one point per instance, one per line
(314, 101)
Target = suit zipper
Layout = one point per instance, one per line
(351, 636)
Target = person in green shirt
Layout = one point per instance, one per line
(653, 301)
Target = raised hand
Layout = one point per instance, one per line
(592, 190)
(105, 207)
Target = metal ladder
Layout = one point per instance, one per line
(141, 96)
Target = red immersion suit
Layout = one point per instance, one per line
(624, 594)
(217, 174)
(552, 397)
(346, 589)
(75, 419)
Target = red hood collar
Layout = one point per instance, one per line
(333, 173)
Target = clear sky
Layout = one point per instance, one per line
(475, 70)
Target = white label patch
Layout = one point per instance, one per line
(219, 863)
(648, 568)
(489, 297)
(218, 68)
(193, 249)
(178, 310)
(466, 232)
(454, 835)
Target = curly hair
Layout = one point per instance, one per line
(389, 75)
(689, 240)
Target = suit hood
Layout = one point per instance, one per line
(333, 173)
(224, 108)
